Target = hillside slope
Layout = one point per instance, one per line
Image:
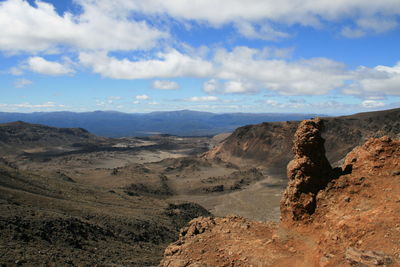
(269, 145)
(354, 223)
(19, 136)
(53, 221)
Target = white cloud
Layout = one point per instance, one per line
(165, 85)
(369, 25)
(372, 104)
(153, 103)
(165, 65)
(142, 97)
(215, 86)
(203, 99)
(246, 72)
(237, 87)
(136, 102)
(307, 12)
(264, 32)
(377, 24)
(248, 14)
(20, 83)
(211, 86)
(375, 82)
(242, 70)
(41, 28)
(43, 66)
(104, 25)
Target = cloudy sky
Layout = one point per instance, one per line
(319, 56)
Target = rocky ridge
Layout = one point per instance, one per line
(269, 145)
(354, 221)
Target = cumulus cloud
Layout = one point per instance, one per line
(242, 70)
(165, 85)
(142, 97)
(166, 65)
(20, 83)
(115, 25)
(40, 28)
(246, 72)
(308, 12)
(203, 99)
(250, 17)
(43, 66)
(238, 87)
(375, 82)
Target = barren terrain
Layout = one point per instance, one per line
(68, 197)
(355, 221)
(72, 198)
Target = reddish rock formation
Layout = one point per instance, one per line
(308, 172)
(355, 222)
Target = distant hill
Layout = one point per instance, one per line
(269, 144)
(16, 136)
(182, 123)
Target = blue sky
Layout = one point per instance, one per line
(332, 57)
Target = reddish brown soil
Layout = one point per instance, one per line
(356, 223)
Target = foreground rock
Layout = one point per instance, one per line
(355, 221)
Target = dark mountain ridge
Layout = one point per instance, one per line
(118, 124)
(21, 135)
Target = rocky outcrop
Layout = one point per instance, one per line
(354, 222)
(308, 172)
(375, 156)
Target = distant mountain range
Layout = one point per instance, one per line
(181, 123)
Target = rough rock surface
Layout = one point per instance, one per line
(308, 172)
(355, 223)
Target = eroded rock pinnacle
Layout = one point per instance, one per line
(308, 173)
